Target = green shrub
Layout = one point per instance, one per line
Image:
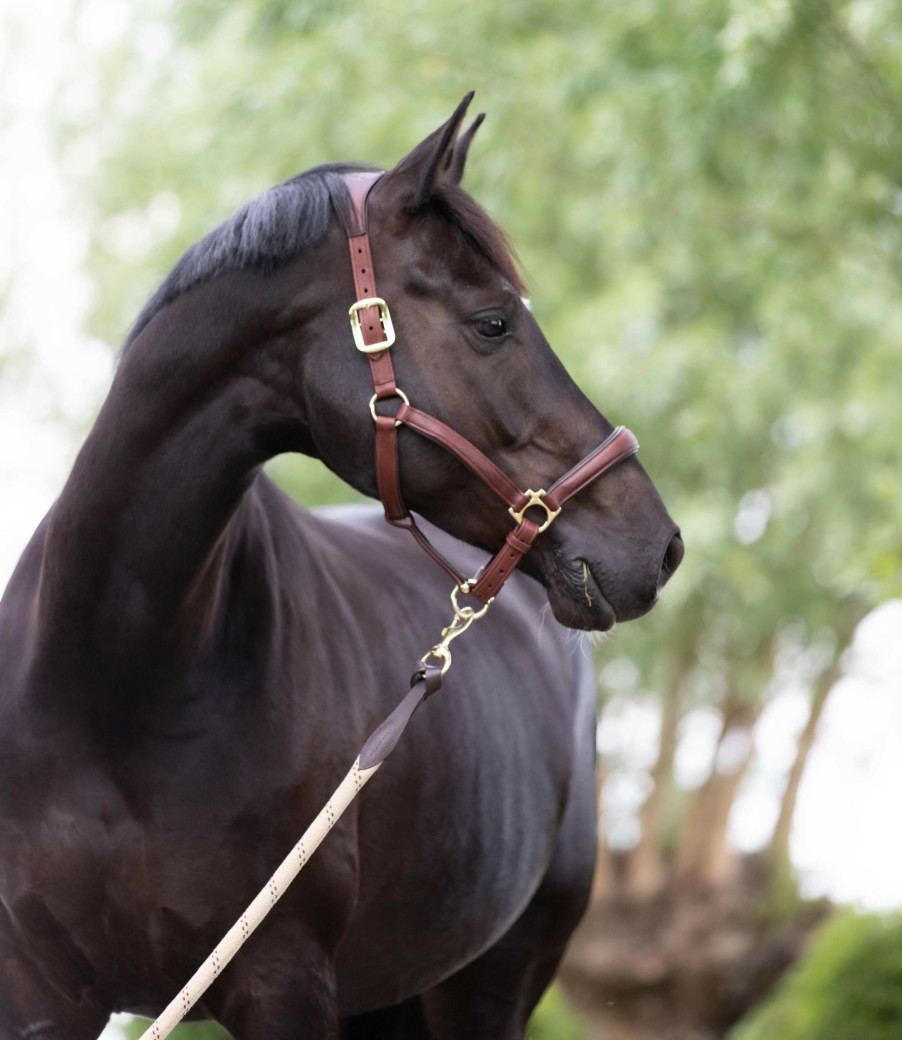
(554, 1019)
(848, 986)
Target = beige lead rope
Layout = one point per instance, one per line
(266, 899)
(373, 753)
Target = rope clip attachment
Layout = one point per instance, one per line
(464, 616)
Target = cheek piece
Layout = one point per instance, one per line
(374, 334)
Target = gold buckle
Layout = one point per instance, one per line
(388, 330)
(536, 498)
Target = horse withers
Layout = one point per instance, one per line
(189, 661)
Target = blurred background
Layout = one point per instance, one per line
(706, 199)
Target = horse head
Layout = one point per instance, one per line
(469, 351)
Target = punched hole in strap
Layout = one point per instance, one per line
(364, 271)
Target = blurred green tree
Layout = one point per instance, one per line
(718, 265)
(848, 986)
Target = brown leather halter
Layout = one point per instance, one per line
(374, 335)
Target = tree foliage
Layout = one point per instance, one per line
(706, 200)
(718, 261)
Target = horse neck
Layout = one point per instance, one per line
(135, 547)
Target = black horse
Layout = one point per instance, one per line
(189, 661)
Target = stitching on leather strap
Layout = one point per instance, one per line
(466, 452)
(618, 446)
(387, 476)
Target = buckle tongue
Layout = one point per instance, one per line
(388, 330)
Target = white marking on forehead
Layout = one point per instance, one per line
(527, 303)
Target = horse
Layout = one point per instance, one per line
(189, 660)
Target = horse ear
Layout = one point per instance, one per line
(461, 150)
(416, 176)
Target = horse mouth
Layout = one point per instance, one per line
(576, 598)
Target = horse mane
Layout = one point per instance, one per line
(270, 230)
(262, 235)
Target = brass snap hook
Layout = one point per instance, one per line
(463, 618)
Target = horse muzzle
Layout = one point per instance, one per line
(594, 590)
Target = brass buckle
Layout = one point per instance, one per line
(388, 330)
(536, 498)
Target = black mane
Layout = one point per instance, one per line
(273, 228)
(262, 235)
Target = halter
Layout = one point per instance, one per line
(373, 332)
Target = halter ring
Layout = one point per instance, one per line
(395, 393)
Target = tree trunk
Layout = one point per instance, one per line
(702, 856)
(646, 874)
(604, 884)
(778, 849)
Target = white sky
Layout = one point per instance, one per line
(845, 842)
(51, 392)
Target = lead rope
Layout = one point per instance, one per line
(267, 898)
(374, 752)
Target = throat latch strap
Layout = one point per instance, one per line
(373, 333)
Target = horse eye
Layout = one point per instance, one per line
(489, 328)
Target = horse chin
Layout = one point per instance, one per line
(577, 600)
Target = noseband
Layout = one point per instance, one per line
(374, 335)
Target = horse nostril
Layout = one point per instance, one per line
(673, 556)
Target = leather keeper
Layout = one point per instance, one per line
(498, 570)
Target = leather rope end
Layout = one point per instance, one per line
(383, 739)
